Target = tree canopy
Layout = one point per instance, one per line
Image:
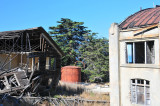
(80, 44)
(69, 35)
(95, 54)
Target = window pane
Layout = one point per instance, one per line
(147, 89)
(134, 94)
(129, 52)
(133, 88)
(53, 63)
(138, 81)
(140, 98)
(47, 63)
(147, 102)
(133, 80)
(140, 89)
(147, 82)
(139, 52)
(150, 52)
(140, 94)
(133, 100)
(147, 96)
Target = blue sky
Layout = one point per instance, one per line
(97, 15)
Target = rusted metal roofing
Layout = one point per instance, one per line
(142, 18)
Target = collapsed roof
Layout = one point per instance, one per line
(32, 42)
(30, 62)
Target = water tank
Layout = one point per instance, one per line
(71, 74)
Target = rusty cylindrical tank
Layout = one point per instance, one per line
(71, 74)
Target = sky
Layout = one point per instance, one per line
(97, 15)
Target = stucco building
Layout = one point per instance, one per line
(135, 59)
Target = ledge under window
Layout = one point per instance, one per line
(141, 66)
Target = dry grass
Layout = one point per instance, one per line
(69, 90)
(94, 96)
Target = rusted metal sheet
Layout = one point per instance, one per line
(142, 18)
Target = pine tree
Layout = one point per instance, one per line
(69, 35)
(95, 53)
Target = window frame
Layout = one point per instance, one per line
(133, 56)
(49, 65)
(135, 91)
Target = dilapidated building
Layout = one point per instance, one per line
(134, 47)
(30, 62)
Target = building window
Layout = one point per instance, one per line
(50, 63)
(140, 52)
(140, 91)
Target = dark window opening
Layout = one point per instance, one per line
(139, 52)
(51, 63)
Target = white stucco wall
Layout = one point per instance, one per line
(149, 72)
(121, 73)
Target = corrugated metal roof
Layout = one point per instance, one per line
(141, 18)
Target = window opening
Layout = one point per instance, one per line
(50, 63)
(129, 52)
(34, 63)
(140, 52)
(53, 63)
(150, 52)
(140, 91)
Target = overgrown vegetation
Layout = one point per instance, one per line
(82, 48)
(71, 90)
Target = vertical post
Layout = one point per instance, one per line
(145, 102)
(7, 84)
(13, 44)
(21, 58)
(33, 63)
(114, 65)
(145, 52)
(26, 43)
(10, 61)
(22, 42)
(133, 49)
(54, 64)
(29, 42)
(159, 44)
(50, 59)
(136, 90)
(38, 64)
(27, 62)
